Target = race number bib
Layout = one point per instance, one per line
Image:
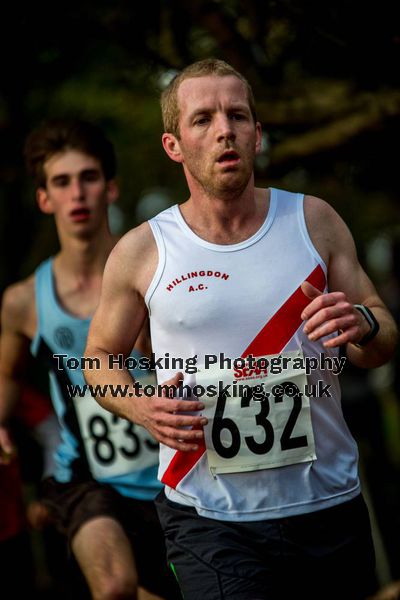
(114, 446)
(262, 425)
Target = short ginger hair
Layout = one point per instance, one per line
(201, 68)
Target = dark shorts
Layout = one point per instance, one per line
(325, 555)
(73, 504)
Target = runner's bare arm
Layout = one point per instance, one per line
(348, 284)
(143, 342)
(114, 330)
(14, 353)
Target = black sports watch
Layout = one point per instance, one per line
(373, 323)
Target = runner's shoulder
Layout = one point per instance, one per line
(133, 260)
(18, 302)
(320, 214)
(135, 245)
(327, 230)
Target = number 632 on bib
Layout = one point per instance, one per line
(249, 434)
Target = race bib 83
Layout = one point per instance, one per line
(114, 446)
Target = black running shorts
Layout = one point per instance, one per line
(325, 555)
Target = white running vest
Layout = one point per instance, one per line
(239, 300)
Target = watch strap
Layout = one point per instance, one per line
(370, 318)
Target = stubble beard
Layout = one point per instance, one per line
(221, 185)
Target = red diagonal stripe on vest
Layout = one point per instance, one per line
(272, 338)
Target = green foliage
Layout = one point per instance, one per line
(312, 66)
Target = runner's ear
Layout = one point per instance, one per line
(172, 147)
(44, 202)
(112, 191)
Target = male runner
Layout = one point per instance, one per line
(265, 503)
(105, 476)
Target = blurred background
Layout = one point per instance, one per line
(326, 81)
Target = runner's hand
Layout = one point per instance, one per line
(167, 420)
(330, 313)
